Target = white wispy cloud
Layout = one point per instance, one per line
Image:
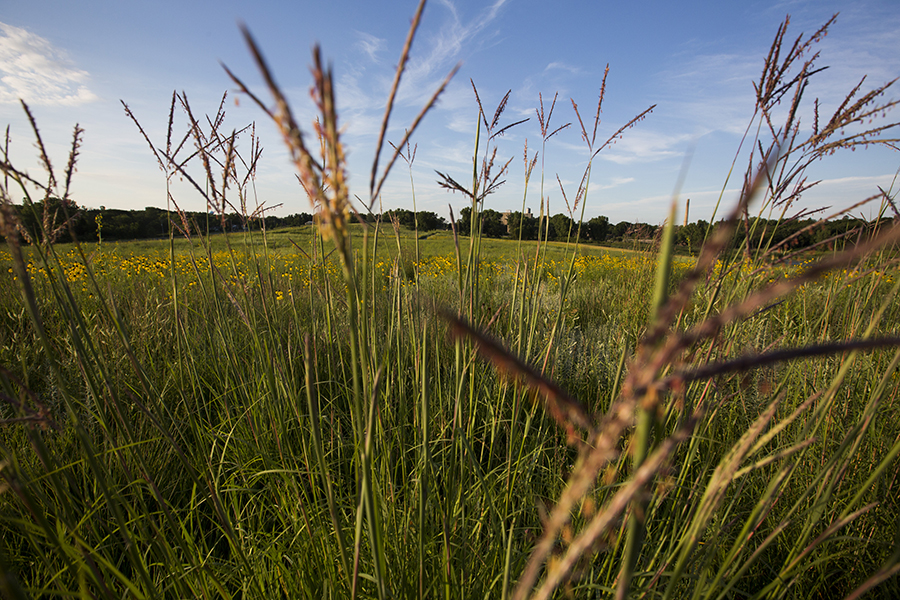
(361, 99)
(613, 183)
(363, 88)
(33, 69)
(561, 66)
(456, 37)
(711, 92)
(369, 45)
(642, 145)
(863, 180)
(456, 32)
(446, 156)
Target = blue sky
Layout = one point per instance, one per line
(74, 62)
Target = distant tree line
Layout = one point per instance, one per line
(421, 220)
(89, 224)
(95, 224)
(92, 224)
(798, 233)
(558, 227)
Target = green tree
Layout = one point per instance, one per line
(430, 221)
(598, 228)
(491, 226)
(525, 226)
(464, 223)
(620, 230)
(560, 226)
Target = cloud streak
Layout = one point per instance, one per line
(711, 92)
(614, 183)
(369, 45)
(643, 146)
(561, 66)
(448, 45)
(34, 70)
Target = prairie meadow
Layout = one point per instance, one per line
(354, 409)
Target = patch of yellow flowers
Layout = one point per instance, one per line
(294, 271)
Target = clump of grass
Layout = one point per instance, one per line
(657, 388)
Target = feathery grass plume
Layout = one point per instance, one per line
(485, 180)
(334, 192)
(787, 74)
(51, 224)
(309, 170)
(590, 141)
(409, 157)
(73, 159)
(544, 123)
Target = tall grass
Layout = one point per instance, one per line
(241, 417)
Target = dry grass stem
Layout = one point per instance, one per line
(568, 412)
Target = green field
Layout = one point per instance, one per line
(346, 410)
(194, 430)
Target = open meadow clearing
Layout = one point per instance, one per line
(359, 409)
